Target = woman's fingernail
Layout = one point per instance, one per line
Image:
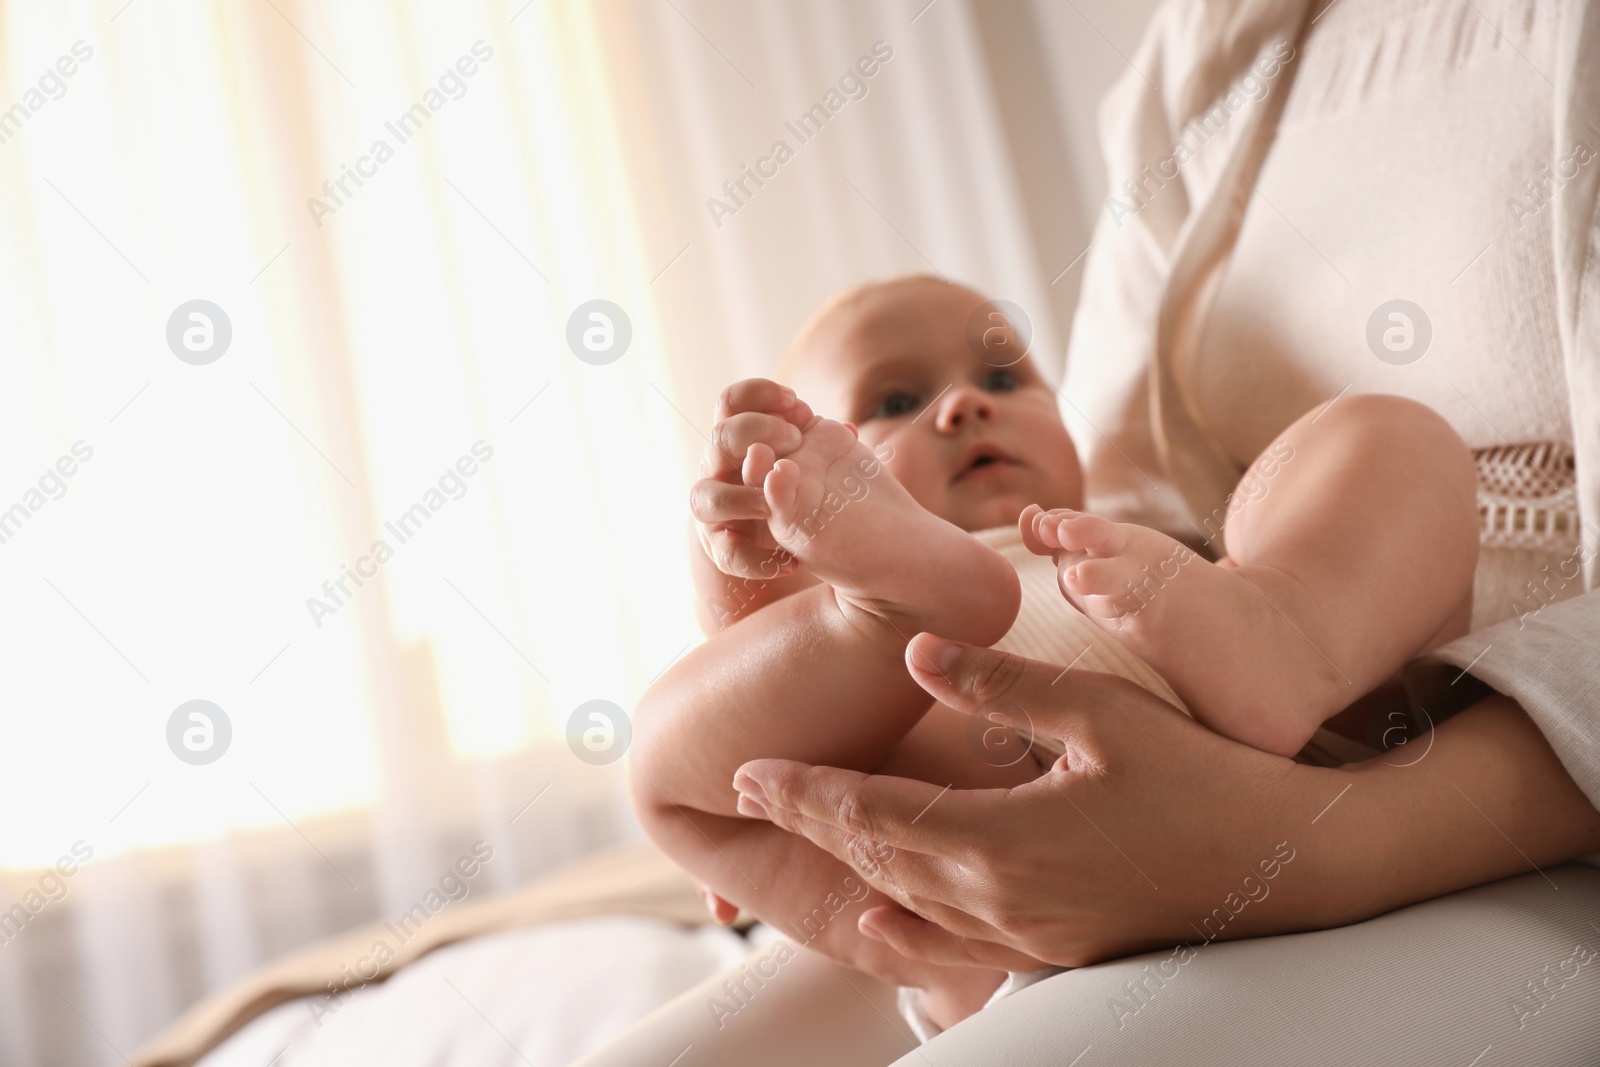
(942, 654)
(749, 805)
(749, 786)
(787, 395)
(871, 931)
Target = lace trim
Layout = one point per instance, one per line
(1527, 496)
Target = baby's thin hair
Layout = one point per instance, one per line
(790, 360)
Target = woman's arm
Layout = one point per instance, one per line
(1153, 830)
(1488, 800)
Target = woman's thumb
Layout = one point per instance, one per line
(970, 678)
(1009, 697)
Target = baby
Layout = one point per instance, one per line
(941, 492)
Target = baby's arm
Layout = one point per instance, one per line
(819, 675)
(816, 675)
(723, 599)
(736, 565)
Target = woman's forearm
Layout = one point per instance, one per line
(1489, 799)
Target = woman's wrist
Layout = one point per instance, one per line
(1483, 797)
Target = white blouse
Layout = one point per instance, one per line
(1371, 151)
(1440, 125)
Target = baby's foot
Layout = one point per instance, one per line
(849, 522)
(1236, 643)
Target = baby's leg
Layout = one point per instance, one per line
(813, 898)
(1352, 543)
(839, 511)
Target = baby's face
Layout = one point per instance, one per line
(974, 443)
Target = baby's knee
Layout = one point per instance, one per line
(1396, 424)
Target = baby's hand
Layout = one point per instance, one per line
(757, 421)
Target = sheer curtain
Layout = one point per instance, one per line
(400, 527)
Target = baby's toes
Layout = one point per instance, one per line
(758, 460)
(1074, 531)
(830, 438)
(1107, 576)
(1109, 611)
(781, 487)
(1028, 526)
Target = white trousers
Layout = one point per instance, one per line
(1507, 973)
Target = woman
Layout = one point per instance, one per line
(1372, 196)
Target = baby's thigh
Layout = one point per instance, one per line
(947, 747)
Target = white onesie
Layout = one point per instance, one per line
(1050, 629)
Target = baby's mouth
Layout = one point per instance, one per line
(983, 461)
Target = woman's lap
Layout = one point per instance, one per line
(1446, 981)
(1440, 982)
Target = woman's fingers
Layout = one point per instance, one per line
(918, 939)
(900, 813)
(902, 836)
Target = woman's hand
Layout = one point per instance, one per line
(1152, 830)
(1147, 824)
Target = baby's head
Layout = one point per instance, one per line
(973, 442)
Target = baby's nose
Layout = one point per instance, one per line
(959, 404)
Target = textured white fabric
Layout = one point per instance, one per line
(923, 1026)
(1502, 974)
(1154, 277)
(1051, 629)
(496, 1001)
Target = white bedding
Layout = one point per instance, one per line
(540, 997)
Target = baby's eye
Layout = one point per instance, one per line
(894, 405)
(1000, 381)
